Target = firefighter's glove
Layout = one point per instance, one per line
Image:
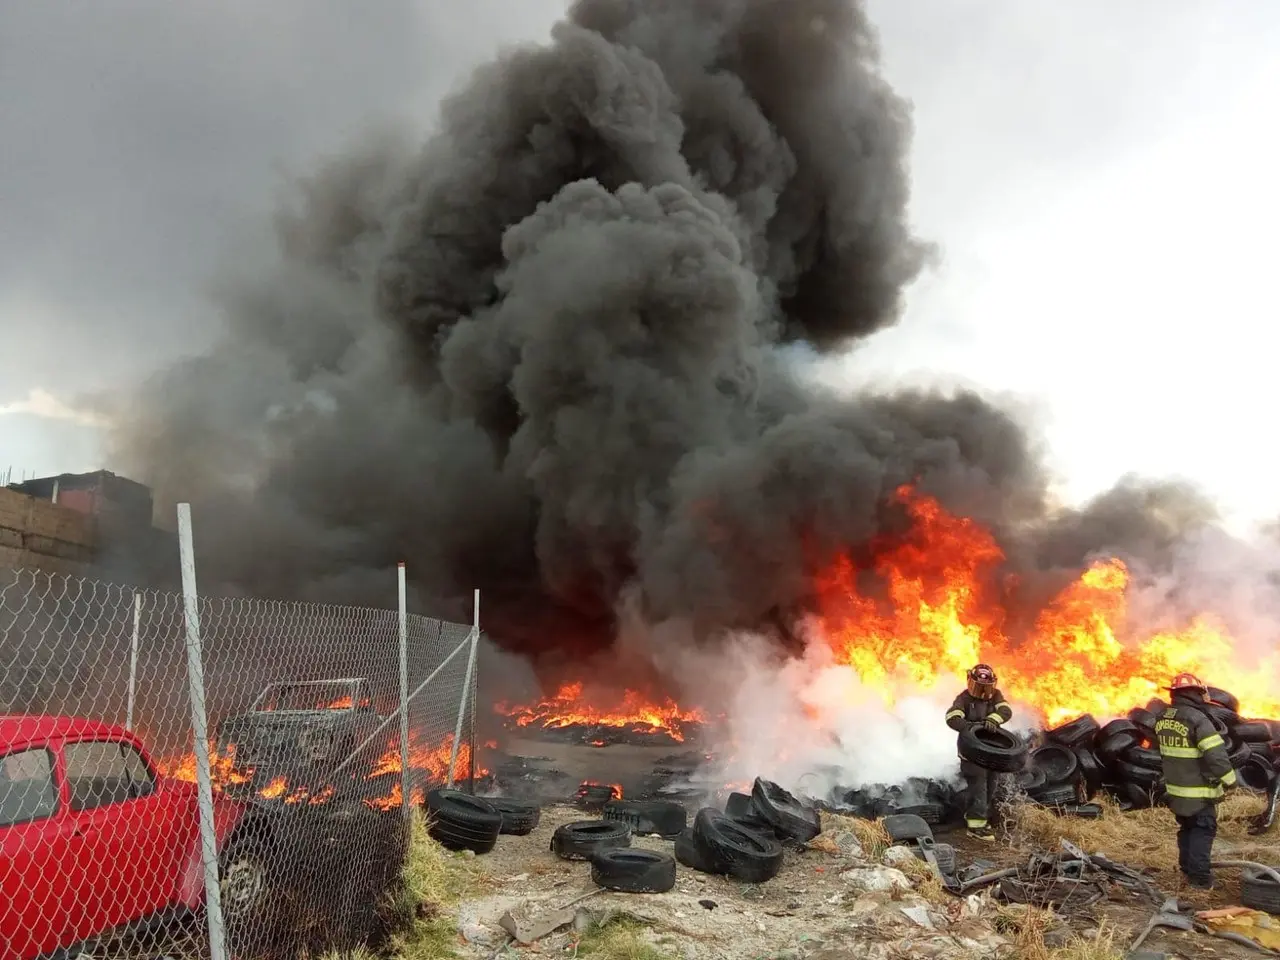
(992, 721)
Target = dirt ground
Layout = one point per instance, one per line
(815, 908)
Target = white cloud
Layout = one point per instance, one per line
(42, 403)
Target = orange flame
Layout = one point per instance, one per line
(634, 712)
(1081, 656)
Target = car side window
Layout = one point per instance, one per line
(97, 774)
(142, 782)
(27, 789)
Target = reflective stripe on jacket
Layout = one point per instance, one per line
(1194, 755)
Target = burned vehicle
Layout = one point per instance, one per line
(306, 739)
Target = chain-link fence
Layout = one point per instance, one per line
(295, 841)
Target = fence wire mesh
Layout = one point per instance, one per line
(99, 816)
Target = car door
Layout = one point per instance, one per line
(119, 836)
(37, 890)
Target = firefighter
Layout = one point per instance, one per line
(1196, 771)
(980, 702)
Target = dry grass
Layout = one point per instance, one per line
(434, 882)
(619, 937)
(1145, 838)
(870, 833)
(1027, 927)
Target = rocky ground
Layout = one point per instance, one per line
(844, 897)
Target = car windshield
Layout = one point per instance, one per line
(310, 696)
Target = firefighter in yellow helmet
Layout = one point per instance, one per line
(980, 702)
(1196, 771)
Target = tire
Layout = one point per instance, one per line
(1030, 779)
(1091, 771)
(1252, 731)
(1259, 891)
(1130, 773)
(1225, 716)
(593, 796)
(661, 817)
(1056, 795)
(1156, 706)
(735, 851)
(1116, 744)
(1083, 811)
(790, 819)
(579, 840)
(1223, 698)
(519, 817)
(1145, 721)
(992, 748)
(692, 856)
(1238, 753)
(931, 813)
(1148, 757)
(1256, 773)
(633, 871)
(459, 821)
(945, 854)
(1134, 797)
(253, 910)
(906, 828)
(1118, 725)
(1059, 763)
(1074, 732)
(739, 805)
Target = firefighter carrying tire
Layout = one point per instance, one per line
(977, 715)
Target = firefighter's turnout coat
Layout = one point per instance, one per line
(1196, 765)
(967, 709)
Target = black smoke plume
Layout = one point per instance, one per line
(548, 353)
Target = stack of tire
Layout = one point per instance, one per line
(1082, 758)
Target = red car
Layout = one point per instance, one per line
(93, 840)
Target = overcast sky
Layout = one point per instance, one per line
(1101, 175)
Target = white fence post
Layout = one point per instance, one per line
(200, 731)
(133, 660)
(466, 687)
(404, 695)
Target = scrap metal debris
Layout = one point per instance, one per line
(1068, 880)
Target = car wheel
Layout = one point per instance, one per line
(243, 876)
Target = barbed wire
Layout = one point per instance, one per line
(98, 767)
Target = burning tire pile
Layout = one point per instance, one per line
(1078, 760)
(744, 842)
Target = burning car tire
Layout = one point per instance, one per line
(1073, 732)
(580, 840)
(1117, 737)
(459, 821)
(1224, 718)
(733, 850)
(1091, 770)
(992, 748)
(1259, 891)
(1256, 773)
(1252, 731)
(1059, 763)
(693, 856)
(1223, 698)
(661, 817)
(1132, 774)
(519, 817)
(1148, 757)
(633, 871)
(789, 818)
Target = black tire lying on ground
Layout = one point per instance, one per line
(693, 856)
(1091, 770)
(633, 871)
(734, 850)
(579, 840)
(1132, 796)
(1148, 757)
(1059, 763)
(661, 817)
(906, 827)
(1056, 794)
(792, 820)
(1085, 811)
(1130, 773)
(929, 812)
(1259, 891)
(1074, 732)
(992, 748)
(1031, 778)
(1252, 731)
(519, 817)
(593, 796)
(1256, 773)
(1223, 698)
(459, 821)
(739, 805)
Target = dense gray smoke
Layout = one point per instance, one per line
(545, 354)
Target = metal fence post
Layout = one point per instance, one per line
(133, 659)
(200, 731)
(404, 695)
(466, 687)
